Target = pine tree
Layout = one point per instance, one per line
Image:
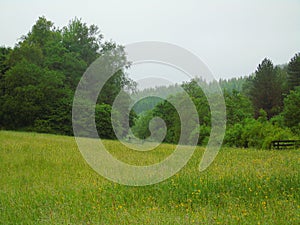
(266, 90)
(294, 72)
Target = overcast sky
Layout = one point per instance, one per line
(230, 36)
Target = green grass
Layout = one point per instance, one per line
(44, 180)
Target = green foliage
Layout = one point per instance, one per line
(233, 84)
(103, 121)
(294, 72)
(278, 120)
(168, 113)
(31, 93)
(42, 32)
(242, 129)
(262, 117)
(202, 133)
(141, 125)
(199, 100)
(238, 107)
(39, 76)
(84, 40)
(4, 53)
(266, 90)
(291, 111)
(147, 98)
(146, 104)
(255, 134)
(29, 52)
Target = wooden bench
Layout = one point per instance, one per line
(285, 144)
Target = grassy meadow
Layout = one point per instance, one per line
(45, 180)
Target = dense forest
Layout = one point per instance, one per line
(262, 107)
(40, 74)
(38, 78)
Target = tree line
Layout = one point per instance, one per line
(262, 107)
(39, 76)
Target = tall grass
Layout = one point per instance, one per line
(44, 180)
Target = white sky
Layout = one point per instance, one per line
(230, 36)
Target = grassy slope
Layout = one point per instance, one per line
(44, 180)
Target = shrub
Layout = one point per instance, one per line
(256, 134)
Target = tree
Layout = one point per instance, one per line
(81, 39)
(42, 32)
(266, 90)
(39, 76)
(31, 93)
(4, 53)
(198, 97)
(294, 72)
(291, 110)
(141, 126)
(103, 121)
(115, 59)
(33, 46)
(238, 107)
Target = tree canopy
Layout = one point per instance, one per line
(40, 74)
(294, 72)
(266, 90)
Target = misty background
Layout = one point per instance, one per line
(231, 37)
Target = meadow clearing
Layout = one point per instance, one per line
(45, 180)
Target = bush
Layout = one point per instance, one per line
(256, 134)
(291, 110)
(202, 132)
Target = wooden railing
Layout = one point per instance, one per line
(285, 144)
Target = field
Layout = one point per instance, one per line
(45, 180)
